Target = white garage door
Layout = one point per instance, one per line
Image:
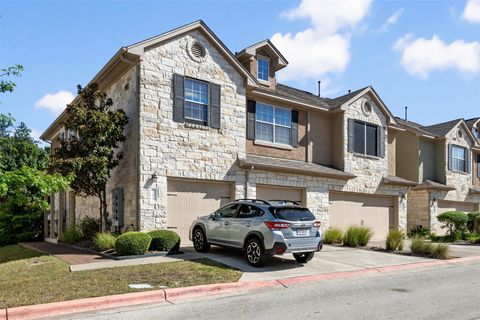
(189, 199)
(265, 192)
(445, 206)
(374, 212)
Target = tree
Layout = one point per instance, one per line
(23, 202)
(93, 153)
(9, 85)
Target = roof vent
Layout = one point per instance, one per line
(198, 51)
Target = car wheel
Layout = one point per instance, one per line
(200, 241)
(254, 253)
(303, 257)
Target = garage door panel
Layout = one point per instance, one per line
(265, 192)
(376, 213)
(446, 206)
(188, 200)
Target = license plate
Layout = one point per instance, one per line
(303, 232)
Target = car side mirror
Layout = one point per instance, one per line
(212, 217)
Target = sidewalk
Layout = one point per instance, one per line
(66, 253)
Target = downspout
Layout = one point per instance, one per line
(138, 135)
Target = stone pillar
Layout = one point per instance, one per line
(402, 205)
(52, 216)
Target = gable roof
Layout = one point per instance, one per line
(472, 122)
(441, 129)
(251, 50)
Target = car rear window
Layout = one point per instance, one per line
(293, 214)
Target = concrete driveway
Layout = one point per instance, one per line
(331, 259)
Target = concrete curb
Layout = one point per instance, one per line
(166, 295)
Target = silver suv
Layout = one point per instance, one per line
(260, 228)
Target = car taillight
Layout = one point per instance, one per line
(277, 225)
(317, 224)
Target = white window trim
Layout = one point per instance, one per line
(455, 158)
(196, 102)
(260, 57)
(273, 124)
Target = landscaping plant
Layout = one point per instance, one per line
(430, 250)
(89, 227)
(104, 241)
(164, 240)
(357, 236)
(453, 221)
(333, 235)
(394, 240)
(71, 235)
(419, 231)
(132, 243)
(472, 224)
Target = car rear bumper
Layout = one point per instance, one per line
(296, 246)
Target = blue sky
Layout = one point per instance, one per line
(420, 54)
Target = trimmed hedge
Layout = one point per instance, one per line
(132, 243)
(164, 240)
(454, 221)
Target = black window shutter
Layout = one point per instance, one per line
(178, 97)
(294, 128)
(251, 110)
(351, 134)
(468, 169)
(478, 166)
(215, 109)
(381, 142)
(450, 157)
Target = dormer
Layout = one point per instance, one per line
(474, 126)
(263, 60)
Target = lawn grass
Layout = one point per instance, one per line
(41, 279)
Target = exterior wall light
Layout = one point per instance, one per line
(154, 177)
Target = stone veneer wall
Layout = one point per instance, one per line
(171, 149)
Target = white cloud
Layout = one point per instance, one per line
(55, 103)
(324, 47)
(391, 20)
(422, 56)
(471, 13)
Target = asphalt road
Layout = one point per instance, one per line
(447, 292)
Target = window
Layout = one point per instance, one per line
(476, 133)
(458, 159)
(293, 214)
(196, 100)
(71, 134)
(273, 124)
(262, 69)
(366, 138)
(249, 211)
(228, 211)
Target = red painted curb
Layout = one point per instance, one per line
(327, 276)
(82, 305)
(204, 290)
(3, 314)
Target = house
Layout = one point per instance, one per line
(443, 160)
(208, 126)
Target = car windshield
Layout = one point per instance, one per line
(293, 214)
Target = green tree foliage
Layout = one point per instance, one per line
(23, 202)
(91, 157)
(13, 71)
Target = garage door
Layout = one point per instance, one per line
(189, 199)
(445, 206)
(265, 192)
(374, 212)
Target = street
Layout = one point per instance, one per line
(446, 292)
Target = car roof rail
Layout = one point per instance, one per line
(285, 202)
(252, 200)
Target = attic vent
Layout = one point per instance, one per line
(367, 108)
(198, 51)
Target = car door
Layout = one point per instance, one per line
(219, 224)
(243, 222)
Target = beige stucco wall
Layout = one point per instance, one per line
(392, 152)
(407, 156)
(426, 153)
(321, 138)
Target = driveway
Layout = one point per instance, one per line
(331, 259)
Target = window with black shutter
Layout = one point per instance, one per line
(366, 138)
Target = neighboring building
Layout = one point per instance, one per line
(443, 160)
(207, 126)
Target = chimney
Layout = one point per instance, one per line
(406, 113)
(319, 87)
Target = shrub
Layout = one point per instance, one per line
(71, 235)
(104, 241)
(476, 224)
(164, 240)
(89, 227)
(454, 221)
(357, 236)
(395, 240)
(132, 243)
(431, 250)
(472, 225)
(333, 235)
(419, 231)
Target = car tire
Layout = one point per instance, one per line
(303, 257)
(200, 241)
(255, 253)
